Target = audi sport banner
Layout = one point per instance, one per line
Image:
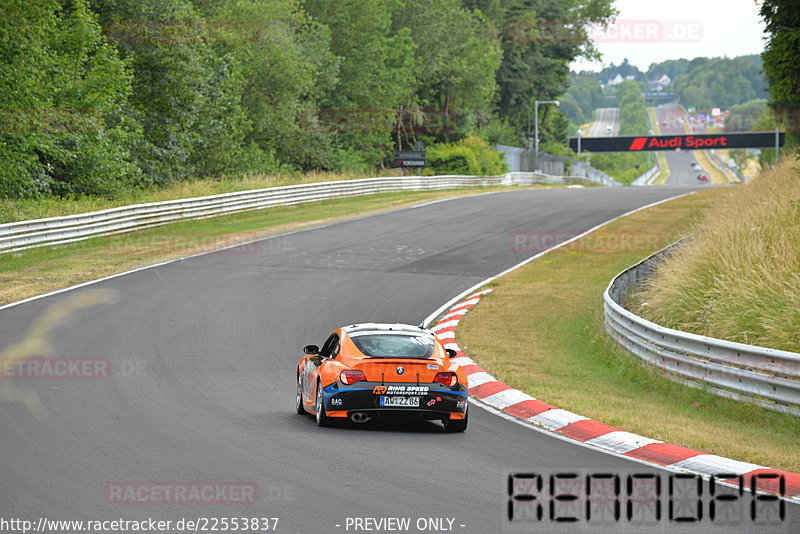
(675, 142)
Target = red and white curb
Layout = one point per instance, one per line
(486, 389)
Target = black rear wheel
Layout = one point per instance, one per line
(457, 425)
(322, 418)
(299, 399)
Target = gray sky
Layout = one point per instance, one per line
(650, 31)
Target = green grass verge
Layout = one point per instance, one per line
(541, 331)
(12, 210)
(35, 271)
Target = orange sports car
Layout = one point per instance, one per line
(371, 371)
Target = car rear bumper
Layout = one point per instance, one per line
(436, 401)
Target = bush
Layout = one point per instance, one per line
(471, 156)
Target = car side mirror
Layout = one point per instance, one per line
(311, 350)
(451, 353)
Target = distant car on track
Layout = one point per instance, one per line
(702, 178)
(382, 371)
(696, 166)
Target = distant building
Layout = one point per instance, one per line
(660, 83)
(618, 79)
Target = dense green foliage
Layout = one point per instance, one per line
(721, 82)
(471, 155)
(671, 67)
(99, 96)
(540, 38)
(63, 92)
(583, 97)
(780, 62)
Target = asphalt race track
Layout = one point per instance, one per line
(605, 117)
(681, 173)
(203, 350)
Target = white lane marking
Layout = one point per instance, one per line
(556, 418)
(506, 398)
(478, 379)
(453, 346)
(621, 441)
(446, 335)
(711, 464)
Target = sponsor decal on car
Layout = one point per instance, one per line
(336, 402)
(433, 366)
(400, 390)
(407, 390)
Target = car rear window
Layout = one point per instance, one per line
(382, 345)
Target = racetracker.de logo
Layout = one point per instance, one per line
(625, 31)
(532, 242)
(55, 368)
(648, 31)
(123, 244)
(180, 493)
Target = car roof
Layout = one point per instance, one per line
(385, 328)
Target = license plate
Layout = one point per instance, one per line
(400, 401)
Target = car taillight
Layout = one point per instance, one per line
(350, 376)
(447, 378)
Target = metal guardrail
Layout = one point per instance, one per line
(724, 169)
(768, 377)
(66, 229)
(647, 177)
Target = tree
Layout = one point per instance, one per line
(375, 74)
(457, 54)
(780, 60)
(185, 95)
(720, 82)
(540, 38)
(64, 89)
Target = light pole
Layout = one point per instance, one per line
(536, 125)
(580, 134)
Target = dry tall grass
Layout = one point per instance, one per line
(739, 279)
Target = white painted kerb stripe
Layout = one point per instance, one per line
(463, 360)
(556, 418)
(621, 441)
(506, 398)
(477, 379)
(445, 325)
(711, 464)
